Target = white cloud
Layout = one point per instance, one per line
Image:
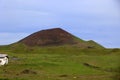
(8, 38)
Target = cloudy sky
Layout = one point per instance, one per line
(97, 20)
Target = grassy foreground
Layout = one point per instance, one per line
(60, 63)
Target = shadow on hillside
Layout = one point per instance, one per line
(4, 79)
(117, 75)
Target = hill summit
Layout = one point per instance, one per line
(55, 37)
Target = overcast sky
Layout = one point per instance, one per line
(97, 20)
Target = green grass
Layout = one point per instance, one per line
(59, 63)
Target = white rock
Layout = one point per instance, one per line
(3, 59)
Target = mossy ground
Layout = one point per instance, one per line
(60, 63)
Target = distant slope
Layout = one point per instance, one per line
(93, 44)
(56, 37)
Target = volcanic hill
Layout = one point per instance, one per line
(55, 37)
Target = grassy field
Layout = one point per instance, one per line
(60, 63)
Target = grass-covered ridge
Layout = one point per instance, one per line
(60, 63)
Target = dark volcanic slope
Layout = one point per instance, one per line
(56, 36)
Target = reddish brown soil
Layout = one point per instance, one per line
(55, 36)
